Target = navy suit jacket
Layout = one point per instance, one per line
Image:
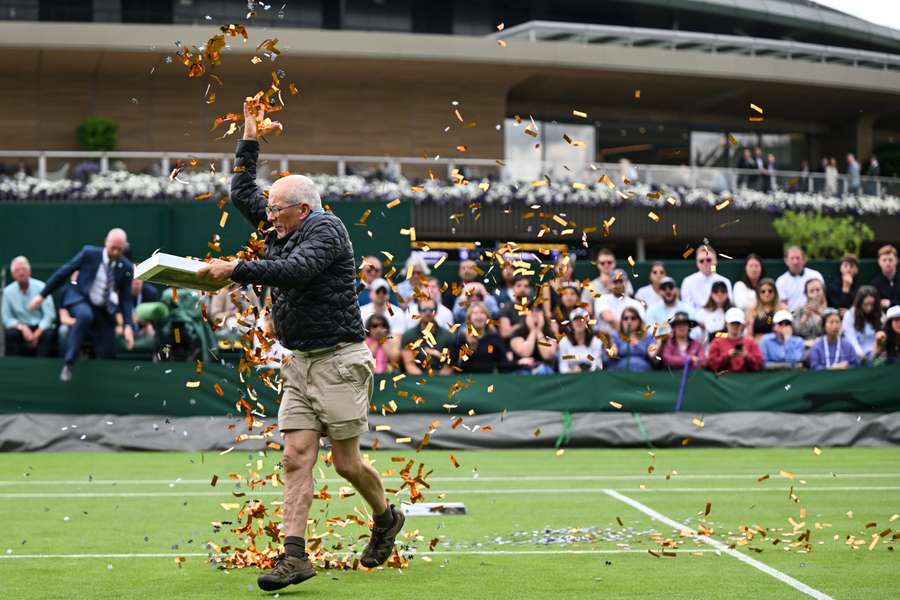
(87, 262)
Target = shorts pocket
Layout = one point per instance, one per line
(354, 369)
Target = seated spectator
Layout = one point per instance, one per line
(609, 307)
(887, 341)
(650, 293)
(768, 303)
(808, 320)
(473, 292)
(370, 271)
(832, 351)
(745, 289)
(478, 348)
(28, 332)
(712, 316)
(504, 293)
(569, 300)
(563, 269)
(842, 291)
(415, 271)
(468, 273)
(781, 349)
(679, 348)
(792, 282)
(579, 349)
(384, 347)
(379, 305)
(887, 282)
(533, 344)
(426, 345)
(511, 315)
(659, 315)
(631, 349)
(444, 316)
(697, 287)
(606, 268)
(734, 352)
(862, 321)
(225, 308)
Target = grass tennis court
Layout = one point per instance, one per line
(110, 525)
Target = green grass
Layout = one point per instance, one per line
(515, 494)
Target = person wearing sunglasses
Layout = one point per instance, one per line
(426, 345)
(328, 381)
(383, 346)
(369, 271)
(379, 292)
(760, 320)
(696, 287)
(781, 349)
(650, 294)
(712, 316)
(631, 348)
(606, 267)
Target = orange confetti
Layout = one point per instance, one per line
(454, 461)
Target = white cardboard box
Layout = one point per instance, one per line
(176, 271)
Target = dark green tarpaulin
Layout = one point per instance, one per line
(124, 387)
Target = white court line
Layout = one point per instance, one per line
(253, 494)
(711, 477)
(429, 553)
(783, 577)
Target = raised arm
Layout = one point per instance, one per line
(245, 194)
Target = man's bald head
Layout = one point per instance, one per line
(116, 242)
(296, 189)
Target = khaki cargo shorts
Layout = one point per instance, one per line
(328, 391)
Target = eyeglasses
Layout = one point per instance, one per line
(704, 260)
(381, 291)
(426, 310)
(667, 286)
(783, 323)
(274, 211)
(630, 318)
(766, 291)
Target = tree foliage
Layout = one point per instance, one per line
(822, 236)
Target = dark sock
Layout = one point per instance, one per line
(295, 546)
(385, 519)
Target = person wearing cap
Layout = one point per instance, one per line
(609, 307)
(792, 282)
(832, 350)
(579, 349)
(606, 265)
(695, 288)
(659, 315)
(680, 348)
(781, 349)
(734, 352)
(416, 270)
(650, 294)
(842, 291)
(887, 282)
(887, 341)
(426, 345)
(631, 347)
(379, 305)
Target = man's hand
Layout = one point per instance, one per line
(35, 302)
(250, 120)
(218, 269)
(128, 334)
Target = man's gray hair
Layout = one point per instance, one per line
(298, 189)
(117, 232)
(17, 260)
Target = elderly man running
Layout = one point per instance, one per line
(328, 382)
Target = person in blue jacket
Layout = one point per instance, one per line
(103, 289)
(832, 350)
(781, 349)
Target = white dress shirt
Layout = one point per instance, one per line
(96, 293)
(792, 288)
(696, 287)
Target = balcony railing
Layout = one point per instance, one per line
(692, 41)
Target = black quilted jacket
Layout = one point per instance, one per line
(311, 270)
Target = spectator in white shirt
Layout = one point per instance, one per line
(378, 293)
(744, 292)
(792, 283)
(650, 294)
(606, 266)
(608, 307)
(415, 269)
(659, 314)
(579, 349)
(696, 287)
(444, 316)
(712, 316)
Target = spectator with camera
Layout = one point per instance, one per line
(734, 352)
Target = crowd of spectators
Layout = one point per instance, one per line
(520, 325)
(759, 171)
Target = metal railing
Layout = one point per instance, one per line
(658, 176)
(675, 40)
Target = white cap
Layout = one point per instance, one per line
(893, 312)
(734, 315)
(782, 315)
(379, 283)
(579, 313)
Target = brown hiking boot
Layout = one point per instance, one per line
(287, 570)
(381, 544)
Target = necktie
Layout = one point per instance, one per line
(107, 290)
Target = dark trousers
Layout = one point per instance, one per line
(92, 322)
(16, 346)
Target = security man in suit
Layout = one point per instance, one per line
(102, 290)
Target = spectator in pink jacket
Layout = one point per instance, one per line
(680, 348)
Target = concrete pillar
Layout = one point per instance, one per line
(865, 137)
(640, 249)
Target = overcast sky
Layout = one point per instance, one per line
(882, 12)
